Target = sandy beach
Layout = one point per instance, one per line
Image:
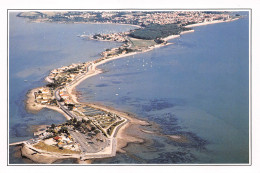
(209, 23)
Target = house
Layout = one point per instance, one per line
(44, 100)
(44, 97)
(65, 96)
(57, 138)
(61, 144)
(45, 91)
(55, 71)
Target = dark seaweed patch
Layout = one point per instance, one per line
(194, 141)
(174, 157)
(157, 105)
(120, 158)
(157, 144)
(102, 85)
(171, 127)
(169, 121)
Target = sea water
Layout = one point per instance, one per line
(197, 87)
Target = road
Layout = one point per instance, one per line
(86, 145)
(81, 139)
(61, 104)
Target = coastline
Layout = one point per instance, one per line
(177, 36)
(122, 137)
(35, 108)
(209, 23)
(46, 21)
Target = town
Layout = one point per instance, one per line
(141, 18)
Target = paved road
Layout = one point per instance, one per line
(76, 136)
(61, 104)
(81, 139)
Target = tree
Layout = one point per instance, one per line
(70, 106)
(53, 126)
(83, 120)
(52, 85)
(63, 130)
(74, 120)
(158, 41)
(96, 131)
(69, 122)
(78, 124)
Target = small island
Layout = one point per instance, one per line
(91, 130)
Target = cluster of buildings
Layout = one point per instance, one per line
(59, 77)
(180, 17)
(66, 73)
(141, 18)
(119, 37)
(159, 17)
(44, 96)
(61, 140)
(114, 52)
(65, 142)
(65, 96)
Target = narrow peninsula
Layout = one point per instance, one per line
(91, 130)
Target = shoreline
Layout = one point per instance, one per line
(32, 107)
(122, 137)
(209, 23)
(47, 21)
(177, 36)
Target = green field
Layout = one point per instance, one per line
(140, 43)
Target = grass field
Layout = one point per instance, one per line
(50, 148)
(140, 43)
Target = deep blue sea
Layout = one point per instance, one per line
(197, 87)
